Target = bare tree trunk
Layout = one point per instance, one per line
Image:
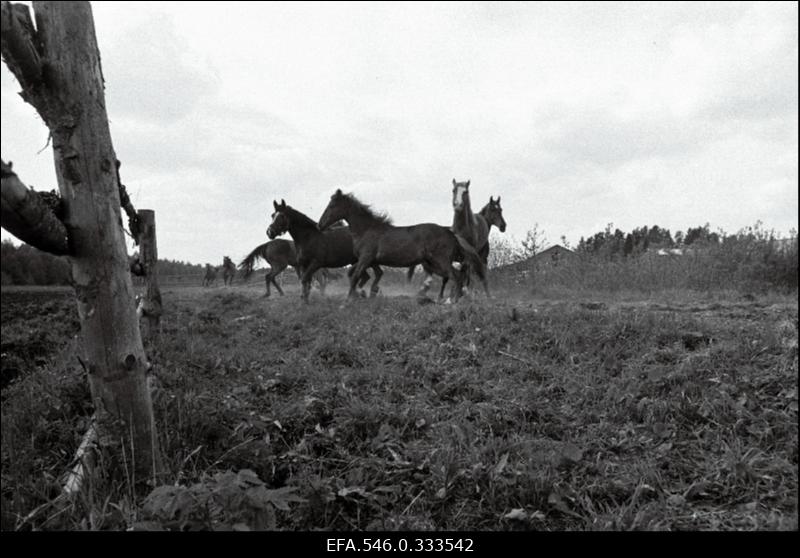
(151, 303)
(67, 91)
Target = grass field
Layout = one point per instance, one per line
(675, 411)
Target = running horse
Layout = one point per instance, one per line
(317, 249)
(228, 271)
(378, 242)
(210, 276)
(279, 254)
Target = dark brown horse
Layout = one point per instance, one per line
(279, 254)
(228, 271)
(317, 249)
(210, 276)
(377, 241)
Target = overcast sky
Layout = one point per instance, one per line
(577, 114)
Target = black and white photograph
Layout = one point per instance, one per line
(399, 276)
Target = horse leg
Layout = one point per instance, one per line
(484, 254)
(466, 274)
(373, 290)
(358, 270)
(482, 276)
(308, 275)
(277, 285)
(446, 271)
(267, 279)
(480, 271)
(429, 280)
(273, 274)
(458, 281)
(323, 282)
(362, 280)
(426, 283)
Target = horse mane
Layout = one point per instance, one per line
(361, 207)
(300, 218)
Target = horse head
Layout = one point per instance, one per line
(493, 214)
(460, 189)
(280, 221)
(336, 210)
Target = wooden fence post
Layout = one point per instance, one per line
(150, 305)
(57, 64)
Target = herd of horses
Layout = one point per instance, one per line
(350, 233)
(228, 272)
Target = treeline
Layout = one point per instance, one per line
(25, 265)
(752, 256)
(753, 259)
(173, 267)
(640, 240)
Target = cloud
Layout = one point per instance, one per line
(599, 137)
(747, 69)
(151, 75)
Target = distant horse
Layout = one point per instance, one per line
(210, 276)
(228, 271)
(473, 227)
(317, 249)
(377, 241)
(279, 254)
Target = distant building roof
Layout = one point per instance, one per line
(556, 249)
(548, 256)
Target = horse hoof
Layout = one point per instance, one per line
(448, 301)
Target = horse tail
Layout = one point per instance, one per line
(410, 272)
(473, 258)
(248, 263)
